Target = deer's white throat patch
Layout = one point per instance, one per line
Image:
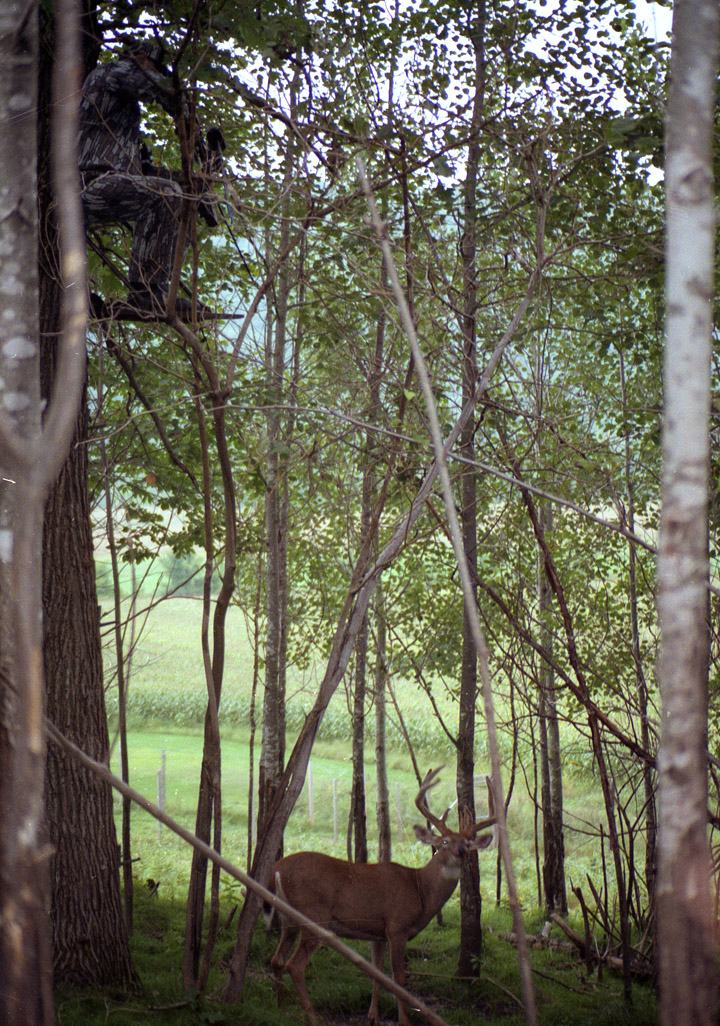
(451, 872)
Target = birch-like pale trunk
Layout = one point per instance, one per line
(30, 458)
(25, 938)
(686, 927)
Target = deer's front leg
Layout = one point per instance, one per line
(397, 961)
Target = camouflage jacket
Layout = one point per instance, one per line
(110, 114)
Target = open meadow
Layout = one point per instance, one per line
(166, 706)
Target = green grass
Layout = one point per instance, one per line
(167, 703)
(165, 858)
(167, 681)
(564, 995)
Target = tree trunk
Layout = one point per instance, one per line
(686, 926)
(122, 680)
(209, 808)
(272, 754)
(470, 901)
(273, 741)
(641, 687)
(382, 806)
(90, 939)
(556, 799)
(358, 812)
(550, 764)
(25, 953)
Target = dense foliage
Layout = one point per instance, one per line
(288, 384)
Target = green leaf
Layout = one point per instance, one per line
(442, 168)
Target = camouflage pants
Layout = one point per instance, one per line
(151, 205)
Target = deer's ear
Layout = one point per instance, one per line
(426, 836)
(483, 841)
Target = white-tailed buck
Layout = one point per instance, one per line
(382, 902)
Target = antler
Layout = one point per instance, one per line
(468, 828)
(422, 805)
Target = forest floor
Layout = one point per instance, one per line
(565, 993)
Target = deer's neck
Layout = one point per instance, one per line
(436, 882)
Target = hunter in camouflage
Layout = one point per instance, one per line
(119, 186)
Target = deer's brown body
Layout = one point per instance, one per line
(385, 903)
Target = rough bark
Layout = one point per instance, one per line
(90, 939)
(686, 927)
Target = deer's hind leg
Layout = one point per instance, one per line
(378, 957)
(296, 967)
(279, 960)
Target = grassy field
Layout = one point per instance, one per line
(167, 680)
(165, 858)
(564, 995)
(313, 824)
(167, 702)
